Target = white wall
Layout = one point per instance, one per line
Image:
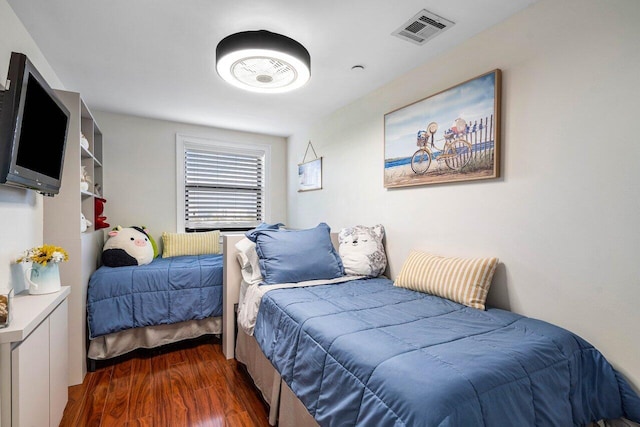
(140, 169)
(563, 219)
(20, 210)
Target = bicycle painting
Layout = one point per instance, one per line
(456, 132)
(456, 152)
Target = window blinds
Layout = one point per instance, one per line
(223, 189)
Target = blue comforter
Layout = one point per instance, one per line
(169, 290)
(368, 353)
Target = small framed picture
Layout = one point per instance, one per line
(310, 175)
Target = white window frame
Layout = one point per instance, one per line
(188, 141)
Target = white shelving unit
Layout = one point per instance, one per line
(91, 159)
(62, 224)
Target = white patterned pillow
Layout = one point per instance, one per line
(462, 280)
(362, 251)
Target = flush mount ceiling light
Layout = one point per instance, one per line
(262, 61)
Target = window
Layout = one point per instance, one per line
(220, 185)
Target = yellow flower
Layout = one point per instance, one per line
(44, 254)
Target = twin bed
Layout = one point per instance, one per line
(366, 352)
(168, 300)
(363, 351)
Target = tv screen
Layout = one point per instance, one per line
(42, 134)
(33, 130)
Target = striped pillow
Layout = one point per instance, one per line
(178, 244)
(461, 280)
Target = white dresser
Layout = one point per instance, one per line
(34, 361)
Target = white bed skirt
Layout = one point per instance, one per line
(285, 408)
(119, 343)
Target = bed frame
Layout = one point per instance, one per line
(230, 292)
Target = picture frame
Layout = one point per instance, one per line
(310, 175)
(450, 136)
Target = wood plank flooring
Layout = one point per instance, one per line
(189, 385)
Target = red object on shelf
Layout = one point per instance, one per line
(100, 220)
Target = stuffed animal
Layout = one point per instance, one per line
(362, 251)
(85, 179)
(84, 142)
(101, 220)
(84, 223)
(127, 246)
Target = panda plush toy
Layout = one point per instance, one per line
(128, 246)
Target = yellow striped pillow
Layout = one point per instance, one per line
(466, 281)
(178, 244)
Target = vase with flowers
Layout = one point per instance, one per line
(43, 276)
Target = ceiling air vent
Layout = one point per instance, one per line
(422, 27)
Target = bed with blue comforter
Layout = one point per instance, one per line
(368, 353)
(166, 291)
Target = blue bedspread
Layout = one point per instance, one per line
(169, 290)
(368, 353)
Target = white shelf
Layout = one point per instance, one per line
(86, 154)
(88, 194)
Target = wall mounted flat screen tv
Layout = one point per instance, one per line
(33, 130)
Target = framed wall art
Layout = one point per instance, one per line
(453, 135)
(310, 173)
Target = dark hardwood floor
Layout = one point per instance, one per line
(190, 385)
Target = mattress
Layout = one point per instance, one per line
(368, 353)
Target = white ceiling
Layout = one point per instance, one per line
(156, 58)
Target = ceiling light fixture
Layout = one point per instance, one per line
(262, 61)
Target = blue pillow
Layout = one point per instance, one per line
(290, 256)
(262, 226)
